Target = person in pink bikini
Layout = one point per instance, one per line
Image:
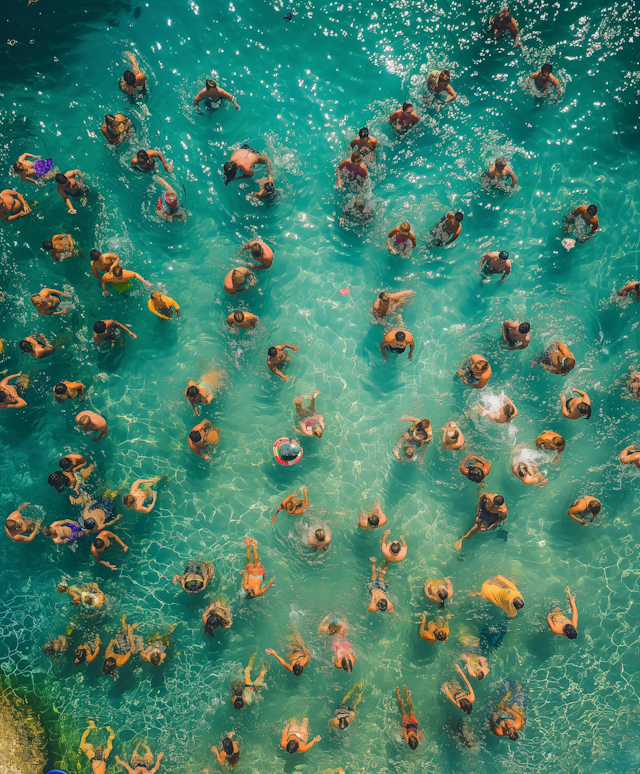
(354, 169)
(312, 423)
(404, 118)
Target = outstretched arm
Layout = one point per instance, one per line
(284, 663)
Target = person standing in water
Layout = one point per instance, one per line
(319, 538)
(395, 551)
(355, 169)
(197, 396)
(447, 229)
(47, 300)
(145, 161)
(163, 306)
(236, 278)
(116, 128)
(397, 341)
(576, 408)
(68, 391)
(457, 695)
(277, 356)
(134, 81)
(102, 262)
(167, 206)
(213, 94)
(373, 519)
(439, 82)
(491, 512)
(560, 624)
(439, 590)
(261, 252)
(551, 442)
(503, 593)
(37, 345)
(60, 247)
(120, 279)
(254, 573)
(498, 171)
(404, 118)
(543, 79)
(309, 422)
(244, 159)
(97, 756)
(364, 143)
(387, 304)
(15, 526)
(495, 263)
(243, 320)
(203, 436)
(410, 724)
(401, 240)
(504, 23)
(69, 188)
(137, 497)
(516, 335)
(297, 655)
(589, 218)
(91, 422)
(101, 542)
(106, 331)
(588, 507)
(452, 438)
(294, 505)
(475, 372)
(345, 713)
(295, 737)
(557, 359)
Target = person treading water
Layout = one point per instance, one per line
(244, 159)
(212, 95)
(500, 170)
(495, 263)
(401, 240)
(516, 335)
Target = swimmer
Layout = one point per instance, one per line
(120, 279)
(589, 216)
(64, 532)
(588, 507)
(60, 479)
(404, 118)
(503, 593)
(435, 631)
(357, 209)
(116, 128)
(355, 169)
(145, 161)
(37, 345)
(101, 542)
(410, 724)
(98, 513)
(387, 304)
(10, 396)
(69, 188)
(277, 356)
(254, 573)
(137, 497)
(213, 93)
(439, 590)
(195, 577)
(57, 646)
(141, 764)
(167, 206)
(244, 693)
(447, 229)
(416, 438)
(97, 756)
(543, 79)
(630, 455)
(503, 22)
(216, 616)
(364, 143)
(295, 737)
(332, 626)
(236, 278)
(89, 421)
(267, 189)
(401, 240)
(633, 384)
(102, 262)
(496, 263)
(516, 335)
(439, 83)
(293, 505)
(88, 597)
(106, 331)
(229, 753)
(162, 305)
(475, 468)
(47, 300)
(576, 408)
(528, 473)
(197, 395)
(297, 655)
(35, 172)
(457, 695)
(261, 252)
(68, 390)
(155, 651)
(244, 159)
(475, 372)
(86, 653)
(630, 289)
(74, 462)
(500, 170)
(397, 341)
(345, 712)
(374, 518)
(491, 512)
(312, 424)
(15, 526)
(557, 359)
(506, 413)
(133, 81)
(203, 436)
(508, 719)
(551, 442)
(242, 320)
(319, 539)
(560, 624)
(477, 666)
(12, 206)
(60, 247)
(378, 589)
(395, 551)
(452, 438)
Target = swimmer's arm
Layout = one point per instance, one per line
(457, 233)
(275, 370)
(383, 348)
(264, 589)
(412, 237)
(506, 272)
(25, 207)
(124, 328)
(92, 655)
(506, 582)
(514, 33)
(157, 766)
(574, 609)
(226, 95)
(111, 535)
(158, 155)
(142, 279)
(452, 97)
(286, 665)
(563, 401)
(482, 260)
(96, 556)
(509, 171)
(290, 346)
(199, 97)
(412, 346)
(304, 747)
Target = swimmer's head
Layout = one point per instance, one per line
(524, 327)
(25, 346)
(505, 14)
(459, 217)
(230, 169)
(364, 132)
(58, 480)
(129, 501)
(518, 603)
(503, 255)
(409, 451)
(479, 674)
(49, 648)
(99, 543)
(395, 547)
(498, 500)
(61, 179)
(356, 158)
(60, 389)
(558, 443)
(297, 669)
(238, 703)
(509, 410)
(90, 524)
(466, 706)
(238, 317)
(99, 326)
(547, 69)
(84, 420)
(594, 507)
(382, 604)
(407, 107)
(11, 524)
(210, 84)
(269, 188)
(569, 363)
(109, 119)
(156, 295)
(510, 731)
(237, 276)
(569, 631)
(384, 297)
(592, 210)
(292, 746)
(373, 520)
(249, 593)
(501, 162)
(475, 474)
(47, 244)
(256, 250)
(95, 255)
(49, 531)
(193, 585)
(37, 300)
(142, 155)
(443, 595)
(214, 621)
(404, 227)
(195, 436)
(109, 666)
(171, 199)
(155, 658)
(227, 745)
(81, 655)
(400, 336)
(440, 635)
(343, 722)
(192, 392)
(347, 663)
(333, 628)
(412, 741)
(445, 76)
(129, 78)
(117, 271)
(272, 352)
(479, 366)
(317, 430)
(290, 506)
(18, 167)
(453, 435)
(320, 535)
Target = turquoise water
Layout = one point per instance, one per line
(305, 88)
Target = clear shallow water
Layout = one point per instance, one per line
(305, 88)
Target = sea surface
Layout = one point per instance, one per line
(305, 87)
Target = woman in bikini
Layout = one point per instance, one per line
(576, 407)
(344, 657)
(354, 169)
(557, 359)
(36, 171)
(254, 573)
(404, 118)
(401, 240)
(196, 576)
(439, 82)
(344, 712)
(587, 507)
(97, 756)
(216, 616)
(297, 655)
(312, 423)
(142, 764)
(410, 724)
(293, 504)
(457, 695)
(230, 752)
(64, 532)
(295, 737)
(87, 652)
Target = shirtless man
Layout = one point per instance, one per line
(203, 435)
(378, 589)
(236, 278)
(101, 542)
(528, 473)
(373, 519)
(47, 300)
(631, 289)
(395, 551)
(102, 262)
(116, 128)
(106, 331)
(404, 118)
(267, 188)
(9, 397)
(277, 356)
(576, 408)
(96, 518)
(12, 206)
(543, 79)
(475, 372)
(496, 263)
(475, 468)
(145, 161)
(133, 81)
(68, 390)
(69, 188)
(319, 539)
(122, 277)
(397, 341)
(390, 303)
(244, 159)
(516, 335)
(587, 507)
(491, 511)
(551, 442)
(260, 252)
(447, 229)
(506, 413)
(499, 170)
(60, 247)
(630, 455)
(242, 320)
(196, 396)
(15, 526)
(504, 22)
(560, 624)
(90, 422)
(37, 345)
(310, 423)
(137, 497)
(590, 218)
(213, 93)
(452, 438)
(365, 144)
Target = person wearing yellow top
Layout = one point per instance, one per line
(163, 306)
(502, 593)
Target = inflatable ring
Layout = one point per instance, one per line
(279, 459)
(57, 771)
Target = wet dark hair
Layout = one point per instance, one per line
(227, 745)
(3, 395)
(109, 666)
(238, 316)
(90, 523)
(210, 84)
(401, 336)
(98, 543)
(502, 161)
(269, 188)
(238, 703)
(193, 585)
(480, 675)
(333, 628)
(518, 603)
(406, 105)
(384, 296)
(569, 631)
(214, 621)
(373, 519)
(346, 664)
(412, 741)
(192, 391)
(382, 604)
(58, 480)
(343, 722)
(25, 346)
(592, 210)
(81, 655)
(11, 524)
(60, 389)
(129, 77)
(297, 669)
(569, 364)
(117, 271)
(272, 352)
(61, 179)
(364, 132)
(195, 436)
(503, 255)
(395, 547)
(95, 255)
(249, 593)
(230, 168)
(155, 658)
(256, 249)
(546, 68)
(292, 746)
(509, 410)
(142, 154)
(440, 635)
(498, 500)
(475, 474)
(48, 648)
(99, 326)
(524, 327)
(109, 118)
(443, 594)
(47, 244)
(584, 409)
(320, 535)
(459, 217)
(512, 733)
(466, 706)
(594, 507)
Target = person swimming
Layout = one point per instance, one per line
(354, 169)
(410, 724)
(401, 240)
